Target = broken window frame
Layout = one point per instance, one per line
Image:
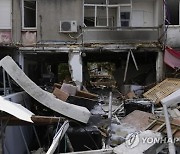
(107, 6)
(23, 17)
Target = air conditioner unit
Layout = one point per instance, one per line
(68, 26)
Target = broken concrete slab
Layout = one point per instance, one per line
(16, 110)
(142, 121)
(119, 133)
(69, 89)
(138, 119)
(45, 98)
(140, 144)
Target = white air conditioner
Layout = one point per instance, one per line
(68, 26)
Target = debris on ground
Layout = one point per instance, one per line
(95, 119)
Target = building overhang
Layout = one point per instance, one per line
(98, 47)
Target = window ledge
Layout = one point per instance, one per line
(29, 29)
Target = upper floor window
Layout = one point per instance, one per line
(29, 14)
(125, 19)
(5, 14)
(104, 13)
(172, 12)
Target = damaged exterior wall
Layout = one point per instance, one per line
(146, 17)
(144, 14)
(44, 40)
(145, 25)
(48, 20)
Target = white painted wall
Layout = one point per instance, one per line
(142, 13)
(5, 14)
(156, 13)
(75, 66)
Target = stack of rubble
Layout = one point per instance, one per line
(89, 123)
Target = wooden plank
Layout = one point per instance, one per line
(38, 120)
(173, 122)
(162, 127)
(60, 94)
(151, 125)
(45, 98)
(86, 94)
(162, 89)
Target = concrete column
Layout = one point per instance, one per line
(19, 59)
(159, 66)
(75, 67)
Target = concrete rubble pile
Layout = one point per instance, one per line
(101, 120)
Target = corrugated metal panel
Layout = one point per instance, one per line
(5, 14)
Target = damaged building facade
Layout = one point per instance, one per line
(47, 33)
(114, 43)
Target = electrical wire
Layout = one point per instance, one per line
(72, 37)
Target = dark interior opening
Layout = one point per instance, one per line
(172, 12)
(29, 13)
